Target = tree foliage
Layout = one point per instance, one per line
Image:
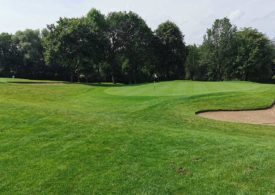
(120, 47)
(76, 44)
(171, 52)
(130, 40)
(29, 45)
(193, 68)
(219, 47)
(254, 57)
(9, 55)
(229, 54)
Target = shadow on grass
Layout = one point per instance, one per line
(103, 84)
(115, 85)
(38, 83)
(65, 82)
(81, 83)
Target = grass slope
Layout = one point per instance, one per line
(73, 138)
(186, 88)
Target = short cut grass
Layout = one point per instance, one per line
(145, 139)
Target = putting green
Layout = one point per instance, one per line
(180, 88)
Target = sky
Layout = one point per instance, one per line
(192, 16)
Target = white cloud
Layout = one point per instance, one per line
(236, 15)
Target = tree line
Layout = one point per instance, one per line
(120, 47)
(231, 54)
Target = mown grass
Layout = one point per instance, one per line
(145, 139)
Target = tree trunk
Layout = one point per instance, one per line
(134, 77)
(113, 79)
(72, 77)
(98, 74)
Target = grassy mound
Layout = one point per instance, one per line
(180, 88)
(75, 138)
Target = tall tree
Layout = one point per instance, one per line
(172, 51)
(9, 55)
(29, 44)
(97, 22)
(75, 44)
(219, 47)
(254, 57)
(130, 39)
(192, 66)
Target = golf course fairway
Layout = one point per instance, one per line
(63, 138)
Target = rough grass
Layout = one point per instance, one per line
(84, 139)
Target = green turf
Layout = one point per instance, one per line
(186, 88)
(144, 139)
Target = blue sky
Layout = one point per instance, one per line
(192, 16)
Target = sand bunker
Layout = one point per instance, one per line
(263, 117)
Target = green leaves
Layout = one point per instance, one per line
(122, 48)
(173, 52)
(77, 44)
(219, 43)
(255, 55)
(230, 54)
(130, 39)
(8, 53)
(21, 54)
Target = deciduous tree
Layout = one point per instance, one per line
(172, 51)
(220, 48)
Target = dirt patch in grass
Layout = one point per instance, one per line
(262, 116)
